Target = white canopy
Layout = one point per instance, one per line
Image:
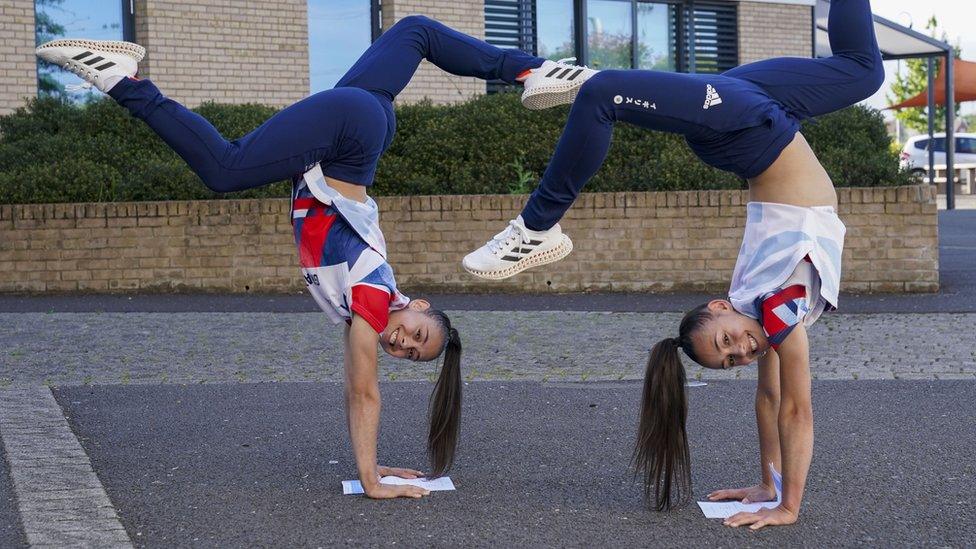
(900, 42)
(896, 41)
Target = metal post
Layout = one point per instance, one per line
(692, 58)
(950, 131)
(375, 19)
(580, 32)
(128, 20)
(931, 117)
(634, 61)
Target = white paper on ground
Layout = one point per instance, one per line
(434, 485)
(695, 383)
(725, 509)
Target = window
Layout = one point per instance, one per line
(509, 24)
(655, 36)
(682, 35)
(966, 145)
(95, 19)
(554, 29)
(710, 37)
(921, 144)
(939, 144)
(339, 31)
(609, 34)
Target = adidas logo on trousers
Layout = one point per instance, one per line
(711, 97)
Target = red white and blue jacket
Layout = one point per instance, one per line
(782, 310)
(343, 273)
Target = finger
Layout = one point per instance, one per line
(415, 491)
(745, 499)
(740, 519)
(758, 524)
(404, 473)
(726, 494)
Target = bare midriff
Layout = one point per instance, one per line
(351, 191)
(795, 178)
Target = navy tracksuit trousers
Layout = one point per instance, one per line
(738, 121)
(345, 129)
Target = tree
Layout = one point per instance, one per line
(45, 30)
(914, 82)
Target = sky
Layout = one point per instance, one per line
(956, 17)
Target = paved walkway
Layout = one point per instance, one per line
(124, 348)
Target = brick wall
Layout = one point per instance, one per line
(467, 16)
(623, 242)
(229, 51)
(18, 72)
(774, 30)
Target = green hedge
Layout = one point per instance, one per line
(55, 152)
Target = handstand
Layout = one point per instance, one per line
(745, 121)
(329, 144)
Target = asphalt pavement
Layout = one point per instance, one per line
(538, 465)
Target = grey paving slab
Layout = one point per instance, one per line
(538, 465)
(129, 348)
(43, 457)
(11, 530)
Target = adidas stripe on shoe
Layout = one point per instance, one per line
(516, 249)
(554, 83)
(100, 63)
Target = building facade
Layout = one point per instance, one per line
(275, 52)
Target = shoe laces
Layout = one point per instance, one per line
(570, 61)
(84, 74)
(506, 237)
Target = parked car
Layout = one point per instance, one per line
(915, 155)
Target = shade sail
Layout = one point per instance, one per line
(965, 86)
(895, 41)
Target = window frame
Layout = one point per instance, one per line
(683, 27)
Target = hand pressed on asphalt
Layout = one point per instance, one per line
(384, 471)
(763, 517)
(389, 491)
(752, 494)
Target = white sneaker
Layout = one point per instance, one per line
(554, 83)
(516, 249)
(102, 63)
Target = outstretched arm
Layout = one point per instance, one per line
(362, 392)
(767, 416)
(795, 425)
(768, 398)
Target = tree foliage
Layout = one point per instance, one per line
(914, 82)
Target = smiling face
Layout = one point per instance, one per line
(729, 338)
(413, 334)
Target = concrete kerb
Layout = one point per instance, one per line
(60, 499)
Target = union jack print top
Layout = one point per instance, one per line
(343, 273)
(783, 310)
(784, 246)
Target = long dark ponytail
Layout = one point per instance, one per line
(661, 458)
(444, 408)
